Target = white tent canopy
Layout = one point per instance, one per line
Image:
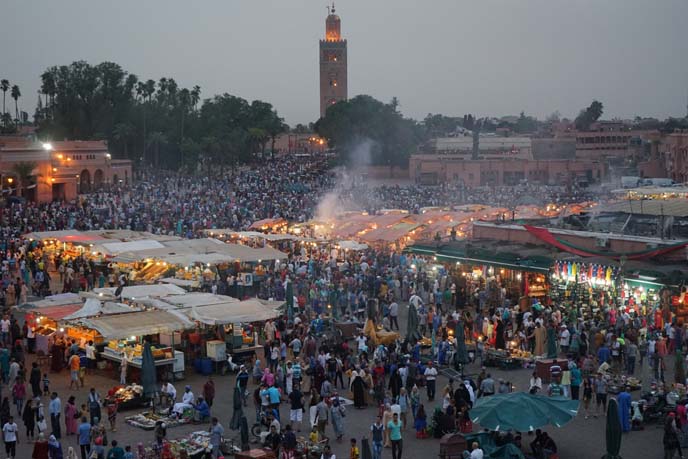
(352, 245)
(115, 248)
(139, 291)
(252, 310)
(93, 308)
(137, 324)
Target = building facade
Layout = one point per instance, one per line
(61, 169)
(333, 64)
(489, 146)
(674, 150)
(436, 169)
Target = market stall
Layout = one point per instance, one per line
(123, 335)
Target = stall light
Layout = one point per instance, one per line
(518, 276)
(60, 156)
(94, 253)
(641, 288)
(434, 268)
(54, 169)
(133, 338)
(458, 263)
(100, 294)
(434, 258)
(61, 330)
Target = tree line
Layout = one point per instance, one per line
(155, 123)
(10, 120)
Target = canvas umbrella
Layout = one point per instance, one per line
(412, 325)
(148, 379)
(290, 300)
(522, 411)
(237, 409)
(613, 431)
(365, 449)
(461, 354)
(244, 434)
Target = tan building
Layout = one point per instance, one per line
(674, 149)
(489, 147)
(435, 169)
(300, 143)
(62, 169)
(333, 64)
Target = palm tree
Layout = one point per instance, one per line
(156, 140)
(122, 133)
(16, 94)
(4, 86)
(24, 172)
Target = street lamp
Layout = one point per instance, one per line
(47, 146)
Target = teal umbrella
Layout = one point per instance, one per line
(290, 300)
(461, 354)
(522, 412)
(613, 431)
(490, 448)
(412, 325)
(148, 377)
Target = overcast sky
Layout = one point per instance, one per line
(486, 57)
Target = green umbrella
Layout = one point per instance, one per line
(613, 431)
(412, 325)
(148, 376)
(679, 370)
(290, 300)
(522, 412)
(461, 355)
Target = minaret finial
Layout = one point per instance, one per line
(332, 7)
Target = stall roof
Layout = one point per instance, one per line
(137, 324)
(92, 307)
(114, 248)
(55, 300)
(57, 312)
(65, 236)
(352, 245)
(197, 299)
(252, 310)
(179, 282)
(140, 291)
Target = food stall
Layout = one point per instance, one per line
(232, 318)
(45, 316)
(127, 397)
(123, 335)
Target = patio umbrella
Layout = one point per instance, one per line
(148, 379)
(412, 325)
(290, 300)
(244, 434)
(461, 354)
(522, 412)
(365, 449)
(613, 431)
(237, 409)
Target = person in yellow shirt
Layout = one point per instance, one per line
(314, 437)
(74, 366)
(354, 453)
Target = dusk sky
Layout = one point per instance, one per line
(453, 57)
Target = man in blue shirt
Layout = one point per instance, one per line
(274, 396)
(201, 410)
(84, 432)
(55, 409)
(603, 354)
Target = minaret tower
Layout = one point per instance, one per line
(333, 80)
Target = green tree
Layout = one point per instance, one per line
(156, 140)
(392, 137)
(589, 115)
(123, 133)
(24, 172)
(4, 86)
(16, 94)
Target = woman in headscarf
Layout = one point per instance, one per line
(71, 413)
(386, 418)
(54, 448)
(5, 411)
(540, 337)
(395, 383)
(57, 352)
(551, 341)
(358, 388)
(337, 414)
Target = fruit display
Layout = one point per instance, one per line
(127, 397)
